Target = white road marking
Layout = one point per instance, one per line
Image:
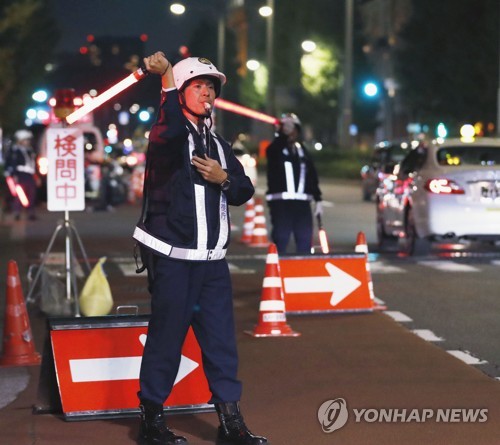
(466, 357)
(448, 266)
(381, 267)
(398, 316)
(427, 335)
(379, 301)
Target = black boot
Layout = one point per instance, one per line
(232, 429)
(153, 430)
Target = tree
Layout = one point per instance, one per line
(28, 35)
(448, 64)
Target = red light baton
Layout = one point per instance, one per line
(17, 191)
(245, 111)
(323, 240)
(12, 185)
(97, 101)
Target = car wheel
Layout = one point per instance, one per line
(410, 243)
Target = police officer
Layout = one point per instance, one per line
(20, 165)
(191, 177)
(292, 184)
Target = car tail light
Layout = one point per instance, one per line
(443, 187)
(43, 165)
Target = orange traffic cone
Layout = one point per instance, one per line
(248, 223)
(272, 318)
(362, 247)
(259, 233)
(18, 346)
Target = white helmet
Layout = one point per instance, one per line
(22, 135)
(288, 122)
(192, 67)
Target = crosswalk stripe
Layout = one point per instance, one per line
(448, 266)
(381, 267)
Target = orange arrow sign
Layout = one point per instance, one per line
(325, 283)
(337, 282)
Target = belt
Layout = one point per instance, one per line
(179, 253)
(289, 195)
(25, 169)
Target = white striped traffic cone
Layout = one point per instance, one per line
(248, 223)
(272, 317)
(259, 234)
(362, 247)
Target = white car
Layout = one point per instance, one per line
(446, 191)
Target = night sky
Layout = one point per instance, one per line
(166, 32)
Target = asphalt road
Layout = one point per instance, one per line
(449, 297)
(370, 360)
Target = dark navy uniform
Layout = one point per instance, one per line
(186, 226)
(20, 164)
(292, 183)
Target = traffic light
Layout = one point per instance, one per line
(370, 89)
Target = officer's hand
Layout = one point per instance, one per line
(157, 63)
(318, 209)
(209, 169)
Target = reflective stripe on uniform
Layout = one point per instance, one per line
(179, 253)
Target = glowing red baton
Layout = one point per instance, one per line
(17, 191)
(22, 196)
(97, 101)
(323, 240)
(245, 111)
(12, 185)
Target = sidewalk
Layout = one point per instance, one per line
(367, 359)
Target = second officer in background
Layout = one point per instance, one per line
(292, 183)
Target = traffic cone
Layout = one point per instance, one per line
(272, 318)
(18, 346)
(362, 247)
(259, 233)
(248, 223)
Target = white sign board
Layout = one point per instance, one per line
(65, 170)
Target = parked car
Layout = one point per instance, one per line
(386, 155)
(248, 161)
(444, 191)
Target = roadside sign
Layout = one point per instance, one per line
(65, 175)
(325, 283)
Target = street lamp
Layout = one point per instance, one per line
(268, 12)
(346, 113)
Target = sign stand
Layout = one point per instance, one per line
(65, 192)
(70, 258)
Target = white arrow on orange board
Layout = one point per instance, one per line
(119, 368)
(340, 283)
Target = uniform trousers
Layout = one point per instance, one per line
(197, 294)
(291, 217)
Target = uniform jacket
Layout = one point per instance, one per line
(183, 209)
(20, 159)
(290, 172)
